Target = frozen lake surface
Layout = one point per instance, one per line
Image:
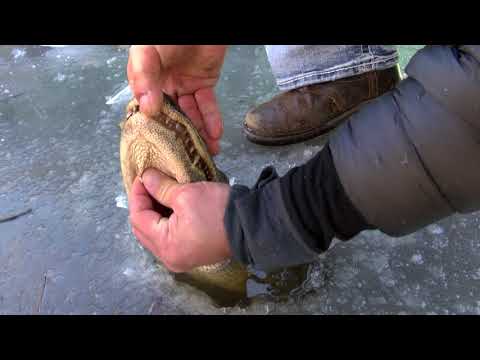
(74, 253)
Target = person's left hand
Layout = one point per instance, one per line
(194, 234)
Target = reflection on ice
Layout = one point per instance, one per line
(123, 96)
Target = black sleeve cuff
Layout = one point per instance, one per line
(289, 220)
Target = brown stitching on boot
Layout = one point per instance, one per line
(337, 100)
(334, 106)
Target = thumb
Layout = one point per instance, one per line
(160, 186)
(146, 78)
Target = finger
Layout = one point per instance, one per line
(161, 187)
(139, 199)
(146, 78)
(188, 105)
(140, 206)
(149, 228)
(208, 107)
(213, 146)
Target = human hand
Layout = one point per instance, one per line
(194, 234)
(188, 74)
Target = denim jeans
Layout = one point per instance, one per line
(295, 66)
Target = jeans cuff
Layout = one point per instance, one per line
(316, 77)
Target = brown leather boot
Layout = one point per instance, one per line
(312, 110)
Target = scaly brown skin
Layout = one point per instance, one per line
(171, 144)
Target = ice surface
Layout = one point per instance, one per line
(435, 229)
(61, 158)
(121, 201)
(17, 53)
(60, 77)
(121, 97)
(111, 60)
(417, 259)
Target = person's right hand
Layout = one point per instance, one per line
(187, 73)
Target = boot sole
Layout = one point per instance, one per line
(296, 138)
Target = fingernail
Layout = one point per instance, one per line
(149, 105)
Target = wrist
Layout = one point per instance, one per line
(233, 228)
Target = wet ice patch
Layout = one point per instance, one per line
(435, 229)
(121, 201)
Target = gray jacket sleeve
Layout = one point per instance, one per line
(412, 156)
